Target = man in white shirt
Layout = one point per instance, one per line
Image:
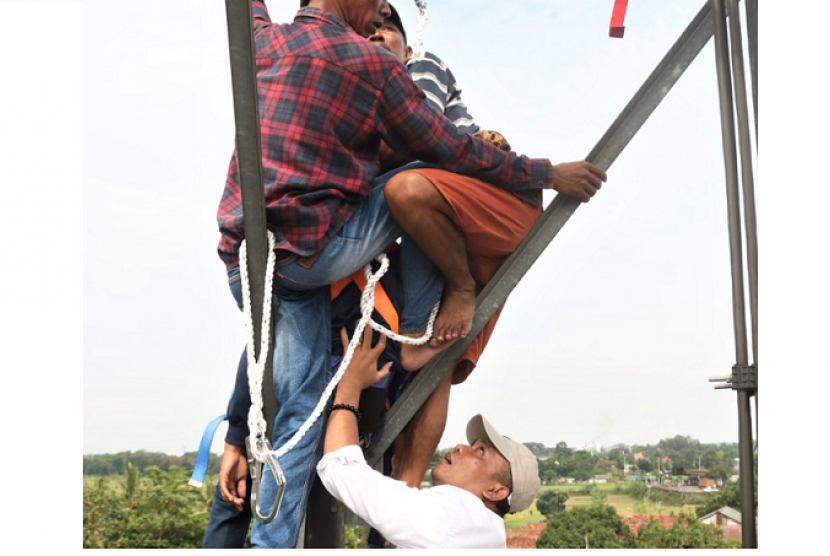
(475, 486)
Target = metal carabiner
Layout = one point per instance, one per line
(256, 469)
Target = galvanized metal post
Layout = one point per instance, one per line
(326, 519)
(752, 41)
(747, 180)
(725, 75)
(323, 528)
(641, 106)
(249, 156)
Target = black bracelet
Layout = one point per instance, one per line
(348, 407)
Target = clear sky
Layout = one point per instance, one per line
(611, 337)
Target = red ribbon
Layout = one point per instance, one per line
(617, 29)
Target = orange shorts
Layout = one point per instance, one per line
(493, 222)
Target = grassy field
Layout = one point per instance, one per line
(623, 503)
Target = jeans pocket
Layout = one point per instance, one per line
(338, 259)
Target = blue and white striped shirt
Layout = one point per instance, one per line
(432, 76)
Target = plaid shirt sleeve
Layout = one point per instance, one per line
(260, 14)
(409, 123)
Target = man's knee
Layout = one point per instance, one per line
(409, 189)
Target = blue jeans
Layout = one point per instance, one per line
(227, 526)
(302, 347)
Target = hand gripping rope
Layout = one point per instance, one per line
(258, 445)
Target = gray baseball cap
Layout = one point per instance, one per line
(524, 470)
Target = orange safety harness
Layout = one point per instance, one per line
(383, 304)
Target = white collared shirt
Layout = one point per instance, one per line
(439, 517)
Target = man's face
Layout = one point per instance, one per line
(390, 38)
(365, 16)
(472, 468)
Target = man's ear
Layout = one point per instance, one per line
(407, 54)
(496, 492)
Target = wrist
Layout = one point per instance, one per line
(349, 396)
(233, 448)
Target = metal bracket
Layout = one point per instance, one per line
(744, 377)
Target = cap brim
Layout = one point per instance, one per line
(479, 428)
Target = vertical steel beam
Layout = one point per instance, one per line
(731, 167)
(747, 181)
(326, 519)
(724, 72)
(249, 156)
(633, 116)
(752, 41)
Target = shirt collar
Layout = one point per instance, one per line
(309, 14)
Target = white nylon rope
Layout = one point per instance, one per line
(256, 367)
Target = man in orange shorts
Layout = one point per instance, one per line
(467, 229)
(479, 227)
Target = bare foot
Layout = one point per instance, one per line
(413, 358)
(455, 318)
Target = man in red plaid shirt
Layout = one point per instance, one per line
(327, 97)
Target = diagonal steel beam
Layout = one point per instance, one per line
(609, 147)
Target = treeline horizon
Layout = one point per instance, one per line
(679, 447)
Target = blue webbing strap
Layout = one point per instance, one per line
(200, 468)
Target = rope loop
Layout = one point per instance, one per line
(256, 366)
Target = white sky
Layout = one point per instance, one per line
(610, 338)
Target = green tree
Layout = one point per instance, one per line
(164, 512)
(720, 471)
(596, 526)
(104, 517)
(561, 451)
(615, 455)
(584, 465)
(637, 489)
(355, 536)
(551, 501)
(132, 480)
(598, 497)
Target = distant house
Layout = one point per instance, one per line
(693, 477)
(696, 472)
(639, 455)
(729, 520)
(723, 516)
(600, 479)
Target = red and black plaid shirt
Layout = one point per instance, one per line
(326, 98)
